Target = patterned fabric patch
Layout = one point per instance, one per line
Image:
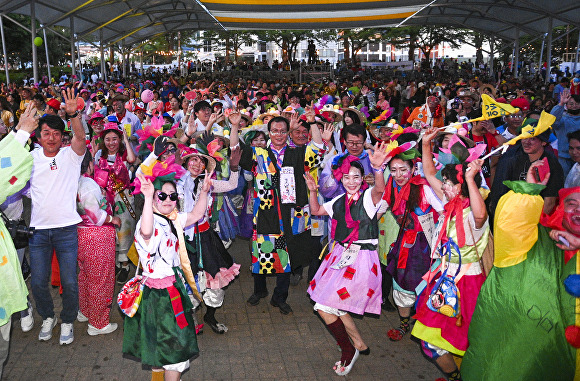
(374, 269)
(312, 284)
(349, 273)
(5, 162)
(13, 180)
(343, 293)
(370, 293)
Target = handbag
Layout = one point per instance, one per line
(488, 256)
(129, 297)
(444, 297)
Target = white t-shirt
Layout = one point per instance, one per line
(54, 183)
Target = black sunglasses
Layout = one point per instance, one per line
(172, 196)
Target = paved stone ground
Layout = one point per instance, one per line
(261, 344)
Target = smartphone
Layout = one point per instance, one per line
(540, 172)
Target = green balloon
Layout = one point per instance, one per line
(38, 41)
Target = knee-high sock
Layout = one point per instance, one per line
(339, 332)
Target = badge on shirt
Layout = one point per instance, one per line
(348, 257)
(287, 185)
(53, 166)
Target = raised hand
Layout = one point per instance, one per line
(207, 182)
(235, 156)
(235, 118)
(310, 182)
(565, 97)
(147, 187)
(474, 169)
(327, 132)
(379, 156)
(293, 121)
(28, 120)
(309, 113)
(430, 134)
(70, 101)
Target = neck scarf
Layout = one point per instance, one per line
(350, 223)
(184, 259)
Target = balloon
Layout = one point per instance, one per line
(147, 96)
(38, 41)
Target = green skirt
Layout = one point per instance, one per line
(152, 334)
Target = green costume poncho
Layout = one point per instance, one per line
(15, 168)
(517, 330)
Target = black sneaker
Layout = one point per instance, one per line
(254, 299)
(123, 275)
(284, 307)
(295, 279)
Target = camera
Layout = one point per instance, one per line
(19, 232)
(455, 103)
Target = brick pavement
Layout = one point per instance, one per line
(261, 344)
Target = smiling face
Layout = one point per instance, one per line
(259, 141)
(574, 150)
(50, 140)
(401, 171)
(571, 220)
(195, 166)
(119, 107)
(278, 134)
(203, 114)
(299, 135)
(165, 206)
(450, 190)
(352, 181)
(112, 142)
(532, 146)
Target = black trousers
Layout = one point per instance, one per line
(282, 284)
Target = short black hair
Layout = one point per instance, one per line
(86, 161)
(52, 121)
(199, 105)
(355, 129)
(574, 135)
(277, 119)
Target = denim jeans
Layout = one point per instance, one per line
(65, 242)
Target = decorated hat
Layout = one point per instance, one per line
(333, 109)
(112, 126)
(460, 131)
(188, 152)
(468, 93)
(160, 173)
(361, 116)
(96, 116)
(249, 133)
(458, 152)
(53, 103)
(271, 112)
(117, 97)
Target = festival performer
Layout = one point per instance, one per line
(465, 224)
(431, 113)
(96, 253)
(207, 252)
(112, 175)
(161, 334)
(530, 299)
(349, 278)
(13, 178)
(413, 203)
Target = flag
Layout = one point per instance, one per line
(529, 131)
(491, 109)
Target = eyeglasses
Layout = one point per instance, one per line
(278, 132)
(172, 196)
(354, 144)
(169, 151)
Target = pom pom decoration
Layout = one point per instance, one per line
(147, 96)
(572, 285)
(384, 115)
(573, 335)
(38, 41)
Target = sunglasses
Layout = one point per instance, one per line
(172, 196)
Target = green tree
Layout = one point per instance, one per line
(287, 40)
(233, 40)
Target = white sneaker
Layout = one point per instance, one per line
(46, 330)
(66, 333)
(27, 322)
(81, 317)
(111, 327)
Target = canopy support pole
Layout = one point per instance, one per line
(46, 50)
(542, 53)
(549, 52)
(33, 36)
(102, 51)
(576, 60)
(141, 61)
(125, 57)
(491, 53)
(4, 50)
(79, 57)
(72, 46)
(516, 52)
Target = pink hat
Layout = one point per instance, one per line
(95, 116)
(112, 126)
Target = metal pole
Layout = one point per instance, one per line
(72, 46)
(141, 61)
(576, 61)
(542, 52)
(491, 47)
(46, 50)
(79, 57)
(33, 36)
(124, 56)
(516, 52)
(103, 74)
(549, 52)
(4, 51)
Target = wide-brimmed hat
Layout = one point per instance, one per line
(452, 130)
(249, 133)
(333, 110)
(488, 86)
(271, 112)
(468, 93)
(362, 117)
(117, 97)
(188, 152)
(112, 126)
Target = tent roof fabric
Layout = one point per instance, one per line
(137, 20)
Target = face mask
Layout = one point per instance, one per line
(574, 111)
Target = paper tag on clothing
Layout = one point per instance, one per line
(428, 224)
(287, 185)
(127, 127)
(348, 257)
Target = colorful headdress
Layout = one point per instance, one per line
(458, 153)
(405, 151)
(398, 131)
(385, 115)
(160, 173)
(148, 134)
(341, 166)
(208, 144)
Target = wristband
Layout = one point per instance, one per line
(73, 115)
(378, 170)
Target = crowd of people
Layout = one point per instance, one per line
(395, 195)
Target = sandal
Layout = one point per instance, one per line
(218, 328)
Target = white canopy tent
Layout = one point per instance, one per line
(134, 21)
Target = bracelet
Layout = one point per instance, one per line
(235, 168)
(107, 219)
(73, 115)
(378, 170)
(187, 114)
